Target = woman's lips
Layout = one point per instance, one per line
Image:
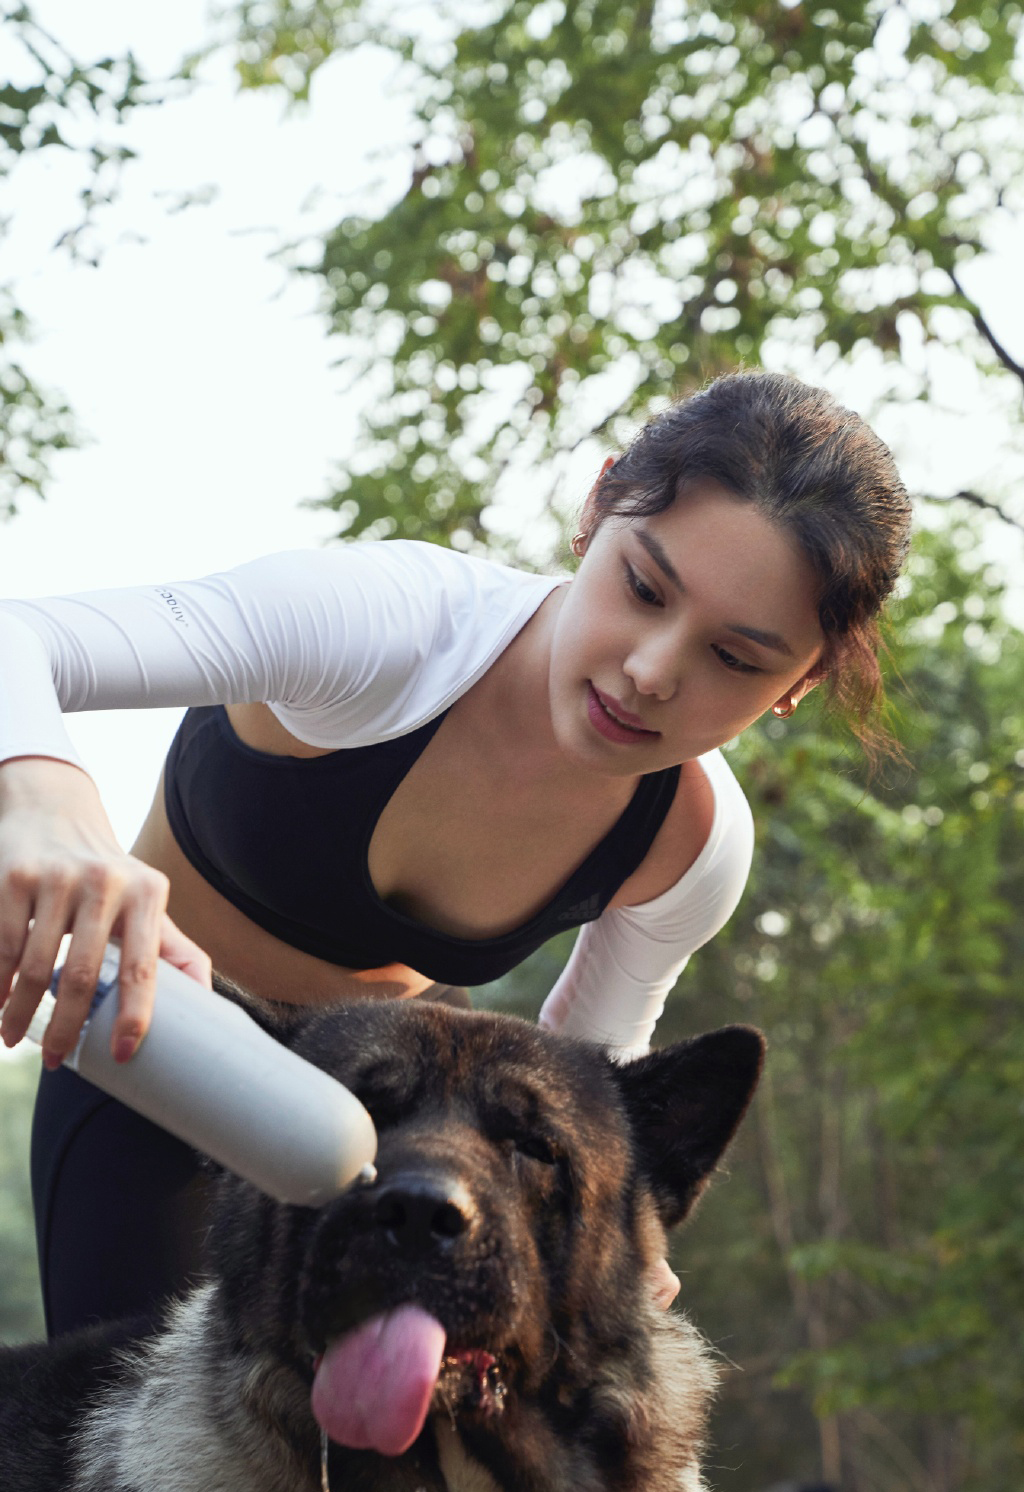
(610, 721)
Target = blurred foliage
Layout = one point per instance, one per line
(612, 200)
(863, 1264)
(48, 101)
(21, 1312)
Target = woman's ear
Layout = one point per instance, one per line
(589, 515)
(811, 679)
(787, 703)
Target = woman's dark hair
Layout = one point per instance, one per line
(812, 467)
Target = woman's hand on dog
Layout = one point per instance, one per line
(664, 1284)
(62, 871)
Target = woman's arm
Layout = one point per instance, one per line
(280, 629)
(623, 965)
(235, 637)
(62, 870)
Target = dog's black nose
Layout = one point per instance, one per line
(422, 1213)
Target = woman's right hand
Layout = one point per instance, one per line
(62, 871)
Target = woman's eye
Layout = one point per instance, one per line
(641, 590)
(734, 664)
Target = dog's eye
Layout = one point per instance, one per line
(517, 1127)
(534, 1148)
(386, 1091)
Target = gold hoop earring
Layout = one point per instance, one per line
(783, 711)
(578, 545)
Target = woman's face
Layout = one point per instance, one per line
(678, 631)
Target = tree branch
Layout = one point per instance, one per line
(977, 501)
(986, 331)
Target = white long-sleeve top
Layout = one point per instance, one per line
(349, 647)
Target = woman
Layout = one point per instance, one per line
(403, 766)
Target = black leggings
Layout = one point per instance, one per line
(120, 1205)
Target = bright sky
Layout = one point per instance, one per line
(200, 371)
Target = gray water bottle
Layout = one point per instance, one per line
(207, 1073)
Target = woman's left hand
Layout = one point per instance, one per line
(664, 1285)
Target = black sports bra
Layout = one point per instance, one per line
(286, 840)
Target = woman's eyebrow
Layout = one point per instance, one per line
(656, 550)
(773, 640)
(660, 558)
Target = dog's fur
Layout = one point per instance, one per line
(563, 1171)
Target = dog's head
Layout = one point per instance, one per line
(524, 1186)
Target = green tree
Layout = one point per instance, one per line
(611, 200)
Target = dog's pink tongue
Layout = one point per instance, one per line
(373, 1386)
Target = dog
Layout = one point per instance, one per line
(475, 1319)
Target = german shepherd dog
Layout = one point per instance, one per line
(476, 1319)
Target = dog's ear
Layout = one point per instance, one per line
(685, 1103)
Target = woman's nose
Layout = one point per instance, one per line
(654, 667)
